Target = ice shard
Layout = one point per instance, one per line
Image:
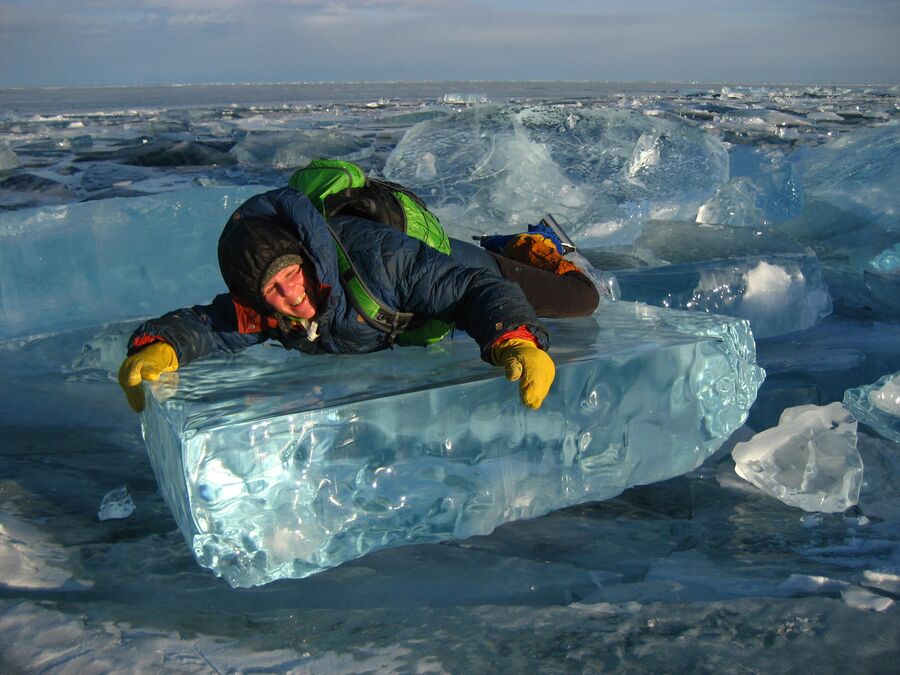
(809, 460)
(878, 405)
(281, 465)
(777, 294)
(8, 158)
(737, 202)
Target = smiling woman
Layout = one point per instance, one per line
(288, 290)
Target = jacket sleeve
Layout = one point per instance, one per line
(478, 301)
(197, 331)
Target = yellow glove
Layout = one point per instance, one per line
(525, 362)
(147, 364)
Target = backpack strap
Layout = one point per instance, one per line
(364, 301)
(336, 187)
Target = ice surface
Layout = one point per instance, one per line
(603, 171)
(110, 259)
(285, 468)
(878, 405)
(809, 460)
(29, 561)
(166, 153)
(778, 294)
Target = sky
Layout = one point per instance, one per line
(104, 42)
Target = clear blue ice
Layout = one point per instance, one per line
(282, 467)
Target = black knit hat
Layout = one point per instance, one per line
(249, 249)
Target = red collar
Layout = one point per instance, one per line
(251, 321)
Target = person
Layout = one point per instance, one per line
(290, 272)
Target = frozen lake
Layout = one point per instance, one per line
(713, 198)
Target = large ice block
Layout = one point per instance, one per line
(777, 294)
(856, 172)
(603, 171)
(65, 267)
(281, 465)
(850, 215)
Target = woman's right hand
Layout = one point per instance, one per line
(147, 364)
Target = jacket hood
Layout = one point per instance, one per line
(266, 227)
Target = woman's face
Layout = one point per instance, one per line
(287, 292)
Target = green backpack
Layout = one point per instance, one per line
(337, 188)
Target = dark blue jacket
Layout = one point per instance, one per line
(404, 273)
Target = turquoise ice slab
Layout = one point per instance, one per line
(278, 465)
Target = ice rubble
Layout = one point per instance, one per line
(878, 405)
(778, 294)
(431, 444)
(111, 259)
(809, 460)
(610, 172)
